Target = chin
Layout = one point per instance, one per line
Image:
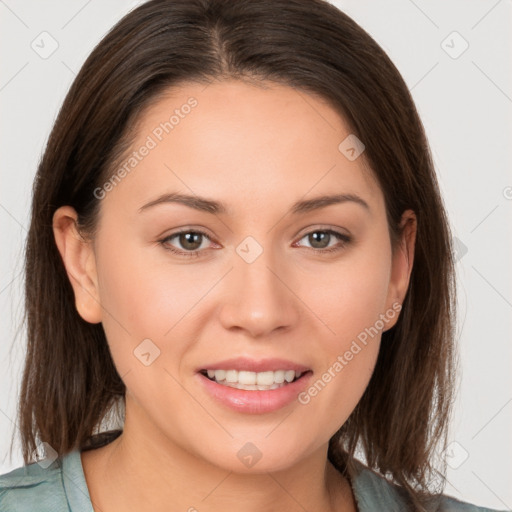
(258, 457)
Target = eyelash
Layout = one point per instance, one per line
(344, 239)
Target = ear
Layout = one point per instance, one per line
(80, 263)
(402, 262)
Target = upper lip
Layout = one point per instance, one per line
(254, 365)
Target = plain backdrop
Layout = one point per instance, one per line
(456, 58)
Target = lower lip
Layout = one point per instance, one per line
(255, 402)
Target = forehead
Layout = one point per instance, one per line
(244, 145)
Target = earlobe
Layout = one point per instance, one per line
(79, 260)
(403, 260)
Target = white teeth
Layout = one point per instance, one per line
(219, 374)
(289, 375)
(231, 376)
(254, 380)
(279, 376)
(250, 387)
(247, 378)
(265, 378)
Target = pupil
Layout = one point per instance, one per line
(322, 236)
(190, 240)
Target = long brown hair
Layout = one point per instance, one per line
(70, 382)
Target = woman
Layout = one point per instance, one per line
(238, 245)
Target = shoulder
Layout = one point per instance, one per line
(23, 487)
(53, 486)
(372, 491)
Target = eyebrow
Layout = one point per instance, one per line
(215, 207)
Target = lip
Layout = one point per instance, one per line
(255, 402)
(253, 365)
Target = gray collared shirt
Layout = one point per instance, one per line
(61, 487)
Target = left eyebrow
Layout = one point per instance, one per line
(215, 207)
(326, 200)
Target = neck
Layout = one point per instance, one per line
(144, 472)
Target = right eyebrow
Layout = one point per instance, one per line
(196, 202)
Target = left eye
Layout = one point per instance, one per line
(320, 239)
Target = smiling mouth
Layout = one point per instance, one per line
(253, 381)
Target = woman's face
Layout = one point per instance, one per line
(270, 288)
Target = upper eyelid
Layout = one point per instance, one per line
(323, 228)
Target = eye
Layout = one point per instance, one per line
(190, 240)
(320, 239)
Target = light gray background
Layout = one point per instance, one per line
(466, 106)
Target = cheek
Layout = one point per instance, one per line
(349, 295)
(147, 296)
(139, 302)
(349, 298)
(146, 308)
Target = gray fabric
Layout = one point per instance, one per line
(61, 487)
(374, 493)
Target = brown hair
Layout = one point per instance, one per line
(70, 382)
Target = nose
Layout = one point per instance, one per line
(259, 298)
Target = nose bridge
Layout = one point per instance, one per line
(258, 300)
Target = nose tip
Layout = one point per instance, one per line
(257, 301)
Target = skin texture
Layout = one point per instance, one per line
(257, 150)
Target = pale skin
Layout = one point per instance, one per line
(257, 151)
